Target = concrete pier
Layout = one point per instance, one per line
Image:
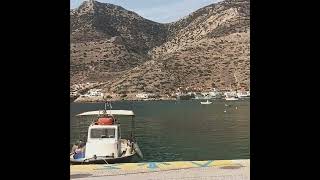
(182, 170)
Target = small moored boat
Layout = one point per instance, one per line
(206, 102)
(104, 142)
(231, 98)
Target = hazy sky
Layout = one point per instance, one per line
(157, 10)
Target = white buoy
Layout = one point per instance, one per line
(225, 111)
(236, 107)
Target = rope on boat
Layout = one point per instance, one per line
(105, 161)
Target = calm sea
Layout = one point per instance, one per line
(180, 130)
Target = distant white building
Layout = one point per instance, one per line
(145, 95)
(230, 94)
(73, 93)
(214, 93)
(93, 93)
(142, 95)
(242, 94)
(191, 93)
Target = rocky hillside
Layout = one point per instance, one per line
(107, 39)
(209, 48)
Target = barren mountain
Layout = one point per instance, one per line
(107, 39)
(209, 48)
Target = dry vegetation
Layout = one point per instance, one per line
(209, 48)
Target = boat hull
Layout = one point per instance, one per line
(125, 159)
(231, 99)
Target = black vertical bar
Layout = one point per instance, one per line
(132, 127)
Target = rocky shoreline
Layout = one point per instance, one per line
(117, 98)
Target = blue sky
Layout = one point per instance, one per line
(163, 11)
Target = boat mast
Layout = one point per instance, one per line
(132, 128)
(106, 103)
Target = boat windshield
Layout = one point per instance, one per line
(103, 133)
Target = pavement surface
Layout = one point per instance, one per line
(182, 170)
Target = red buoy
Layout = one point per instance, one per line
(105, 121)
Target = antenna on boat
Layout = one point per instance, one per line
(106, 103)
(110, 105)
(105, 106)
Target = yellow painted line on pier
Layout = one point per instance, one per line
(83, 168)
(151, 166)
(223, 163)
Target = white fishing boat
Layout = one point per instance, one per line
(231, 98)
(243, 94)
(104, 142)
(206, 102)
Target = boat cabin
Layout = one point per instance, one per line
(103, 140)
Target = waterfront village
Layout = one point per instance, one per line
(89, 92)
